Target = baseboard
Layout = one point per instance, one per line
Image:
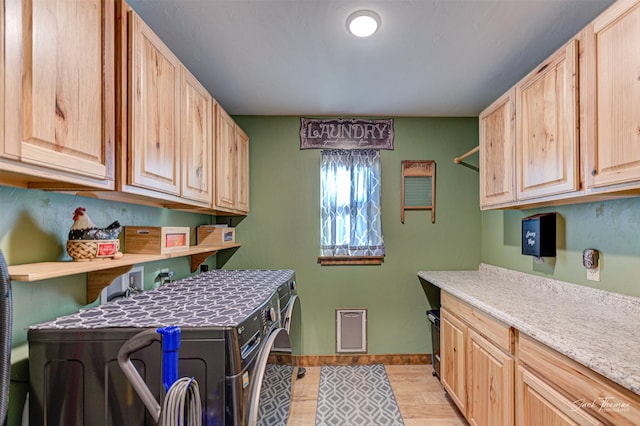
(362, 359)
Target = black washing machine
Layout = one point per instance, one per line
(230, 334)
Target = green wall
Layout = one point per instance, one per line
(282, 230)
(612, 227)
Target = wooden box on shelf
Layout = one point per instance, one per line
(213, 235)
(156, 239)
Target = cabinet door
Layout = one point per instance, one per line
(60, 86)
(226, 162)
(541, 405)
(2, 74)
(491, 383)
(154, 114)
(616, 151)
(453, 358)
(196, 140)
(547, 127)
(497, 135)
(242, 147)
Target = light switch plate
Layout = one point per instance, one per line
(593, 274)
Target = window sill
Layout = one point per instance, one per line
(350, 260)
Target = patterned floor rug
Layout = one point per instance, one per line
(275, 395)
(358, 395)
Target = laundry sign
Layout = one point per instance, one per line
(342, 133)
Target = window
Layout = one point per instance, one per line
(351, 222)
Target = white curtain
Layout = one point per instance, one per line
(351, 222)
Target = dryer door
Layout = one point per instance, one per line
(272, 384)
(290, 312)
(291, 321)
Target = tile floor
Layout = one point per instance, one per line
(420, 397)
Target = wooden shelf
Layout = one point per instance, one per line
(101, 272)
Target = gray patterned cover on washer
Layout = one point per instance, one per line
(218, 298)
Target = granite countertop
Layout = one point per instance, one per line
(218, 298)
(596, 328)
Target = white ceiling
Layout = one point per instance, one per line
(429, 58)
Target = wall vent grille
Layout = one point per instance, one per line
(351, 330)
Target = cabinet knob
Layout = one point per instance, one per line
(593, 173)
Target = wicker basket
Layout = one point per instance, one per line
(83, 250)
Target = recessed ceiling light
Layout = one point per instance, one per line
(363, 23)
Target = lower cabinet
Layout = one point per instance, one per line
(453, 358)
(476, 371)
(551, 384)
(541, 405)
(497, 376)
(490, 374)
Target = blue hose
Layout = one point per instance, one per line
(170, 346)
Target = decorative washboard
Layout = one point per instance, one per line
(419, 186)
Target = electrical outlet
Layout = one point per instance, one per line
(121, 284)
(165, 276)
(593, 274)
(136, 278)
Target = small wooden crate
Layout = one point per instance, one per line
(211, 235)
(156, 239)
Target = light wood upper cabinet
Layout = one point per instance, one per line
(497, 137)
(453, 334)
(242, 148)
(59, 90)
(197, 140)
(490, 377)
(226, 160)
(547, 127)
(232, 166)
(154, 111)
(614, 154)
(180, 149)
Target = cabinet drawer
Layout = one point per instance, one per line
(494, 330)
(597, 395)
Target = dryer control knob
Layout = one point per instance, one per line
(293, 285)
(270, 314)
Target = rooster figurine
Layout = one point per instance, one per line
(83, 228)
